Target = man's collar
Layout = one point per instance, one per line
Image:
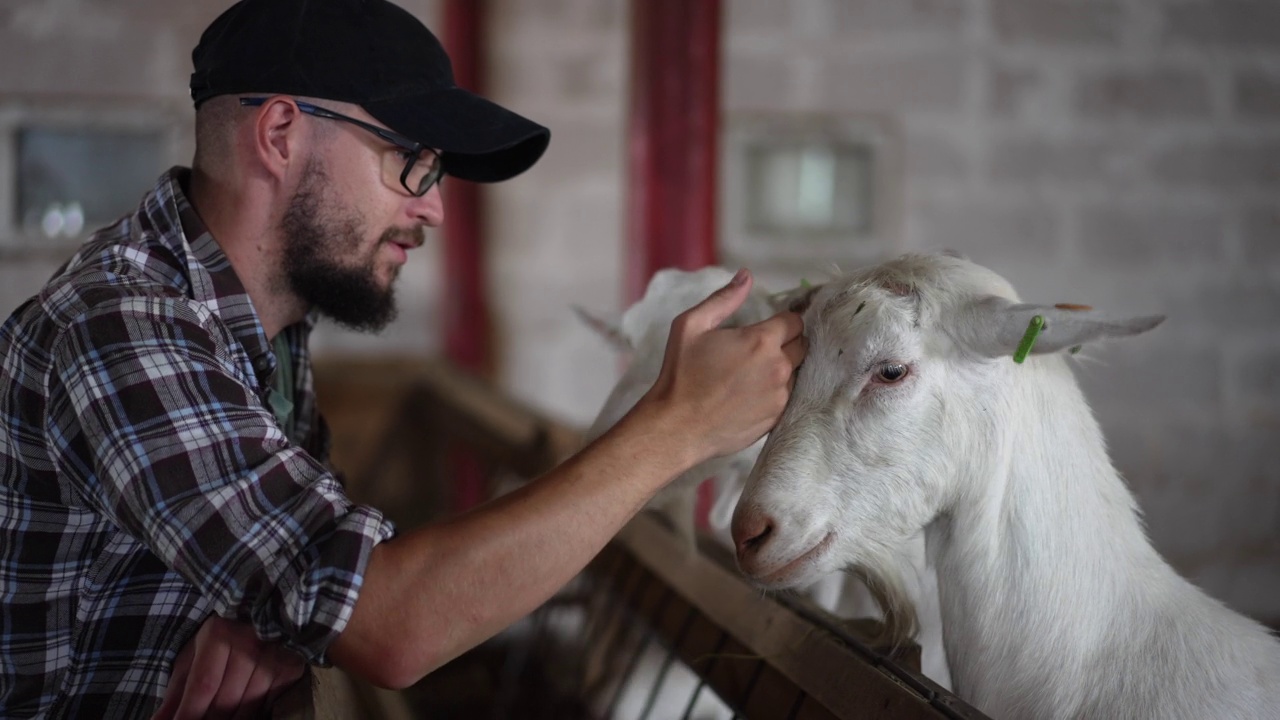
(212, 278)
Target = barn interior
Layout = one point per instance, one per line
(1117, 153)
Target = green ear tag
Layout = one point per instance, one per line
(1028, 338)
(805, 284)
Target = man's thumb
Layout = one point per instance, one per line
(719, 305)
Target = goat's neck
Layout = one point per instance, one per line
(1041, 548)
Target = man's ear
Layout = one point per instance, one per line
(275, 134)
(994, 326)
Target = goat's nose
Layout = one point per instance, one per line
(751, 530)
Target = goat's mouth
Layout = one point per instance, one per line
(793, 572)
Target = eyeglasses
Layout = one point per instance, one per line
(422, 165)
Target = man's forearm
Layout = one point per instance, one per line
(438, 591)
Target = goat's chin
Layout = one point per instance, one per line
(802, 569)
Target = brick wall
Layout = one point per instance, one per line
(1112, 152)
(557, 230)
(1121, 153)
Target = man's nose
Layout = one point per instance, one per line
(429, 209)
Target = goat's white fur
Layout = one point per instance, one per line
(642, 334)
(1054, 603)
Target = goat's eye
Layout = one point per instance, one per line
(891, 372)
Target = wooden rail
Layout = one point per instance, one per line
(647, 592)
(770, 656)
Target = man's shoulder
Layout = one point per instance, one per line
(108, 297)
(113, 271)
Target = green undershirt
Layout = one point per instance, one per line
(281, 396)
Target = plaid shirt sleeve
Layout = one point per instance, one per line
(159, 428)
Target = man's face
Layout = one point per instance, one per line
(331, 262)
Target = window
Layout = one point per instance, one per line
(803, 189)
(70, 179)
(810, 187)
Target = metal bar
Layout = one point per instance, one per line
(667, 661)
(673, 130)
(641, 646)
(751, 685)
(795, 706)
(673, 143)
(513, 667)
(640, 577)
(702, 676)
(467, 323)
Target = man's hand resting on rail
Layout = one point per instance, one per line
(225, 671)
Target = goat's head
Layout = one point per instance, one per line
(909, 366)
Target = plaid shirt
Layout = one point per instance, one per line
(144, 481)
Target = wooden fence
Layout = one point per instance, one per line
(650, 629)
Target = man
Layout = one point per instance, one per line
(161, 460)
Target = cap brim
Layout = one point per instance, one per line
(478, 139)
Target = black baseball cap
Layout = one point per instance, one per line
(373, 54)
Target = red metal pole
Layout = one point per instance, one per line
(467, 324)
(673, 143)
(672, 137)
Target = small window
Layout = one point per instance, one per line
(810, 187)
(804, 189)
(70, 180)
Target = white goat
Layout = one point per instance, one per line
(642, 334)
(909, 413)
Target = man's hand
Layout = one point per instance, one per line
(719, 390)
(728, 386)
(225, 671)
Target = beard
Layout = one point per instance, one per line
(316, 238)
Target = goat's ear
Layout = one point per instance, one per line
(794, 300)
(610, 331)
(994, 326)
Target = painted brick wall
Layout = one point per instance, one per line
(557, 230)
(1121, 153)
(1112, 152)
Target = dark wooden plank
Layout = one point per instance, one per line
(839, 679)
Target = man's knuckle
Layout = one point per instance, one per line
(203, 688)
(680, 325)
